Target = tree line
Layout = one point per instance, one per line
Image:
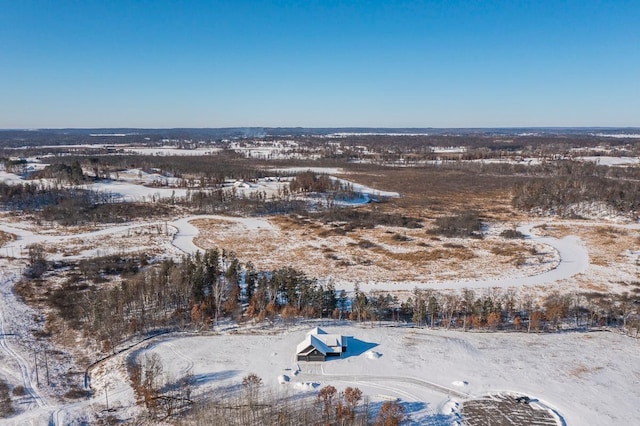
(202, 289)
(197, 291)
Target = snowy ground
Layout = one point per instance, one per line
(612, 161)
(430, 371)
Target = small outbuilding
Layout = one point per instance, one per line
(318, 345)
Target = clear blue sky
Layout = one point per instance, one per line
(157, 63)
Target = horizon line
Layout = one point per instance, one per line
(322, 127)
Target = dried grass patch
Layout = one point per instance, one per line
(5, 237)
(396, 239)
(208, 224)
(505, 249)
(447, 189)
(361, 254)
(610, 231)
(286, 223)
(606, 235)
(364, 244)
(581, 371)
(423, 256)
(552, 230)
(598, 260)
(608, 244)
(591, 286)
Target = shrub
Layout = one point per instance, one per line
(462, 225)
(19, 391)
(76, 393)
(512, 234)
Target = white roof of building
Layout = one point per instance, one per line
(323, 342)
(309, 343)
(316, 330)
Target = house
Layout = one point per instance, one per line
(318, 345)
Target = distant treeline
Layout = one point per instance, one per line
(570, 183)
(74, 206)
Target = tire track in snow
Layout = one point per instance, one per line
(411, 380)
(373, 383)
(182, 356)
(23, 365)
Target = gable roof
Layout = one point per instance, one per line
(312, 342)
(332, 340)
(316, 331)
(325, 343)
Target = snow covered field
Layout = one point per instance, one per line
(587, 378)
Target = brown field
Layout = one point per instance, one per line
(608, 245)
(376, 254)
(428, 191)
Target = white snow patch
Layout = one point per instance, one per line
(372, 355)
(611, 161)
(173, 151)
(306, 386)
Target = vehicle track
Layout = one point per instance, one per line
(174, 349)
(23, 365)
(410, 380)
(373, 381)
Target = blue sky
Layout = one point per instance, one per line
(324, 63)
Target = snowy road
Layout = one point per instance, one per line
(186, 232)
(6, 281)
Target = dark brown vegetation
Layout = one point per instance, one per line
(228, 201)
(62, 172)
(312, 182)
(192, 171)
(579, 183)
(391, 414)
(463, 225)
(73, 206)
(245, 407)
(5, 237)
(512, 234)
(439, 189)
(6, 406)
(366, 217)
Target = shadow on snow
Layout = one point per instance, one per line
(356, 347)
